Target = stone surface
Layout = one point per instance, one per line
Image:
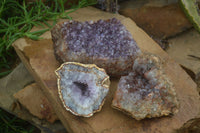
(38, 56)
(146, 92)
(106, 43)
(12, 83)
(160, 20)
(82, 88)
(15, 82)
(108, 5)
(33, 99)
(185, 50)
(192, 126)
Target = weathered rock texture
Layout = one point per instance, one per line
(146, 91)
(108, 5)
(159, 20)
(192, 126)
(33, 99)
(185, 49)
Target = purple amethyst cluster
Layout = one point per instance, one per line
(146, 91)
(105, 39)
(106, 43)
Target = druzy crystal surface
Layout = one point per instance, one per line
(146, 91)
(106, 43)
(82, 88)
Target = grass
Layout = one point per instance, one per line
(17, 19)
(12, 124)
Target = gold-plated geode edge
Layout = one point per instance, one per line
(163, 113)
(105, 83)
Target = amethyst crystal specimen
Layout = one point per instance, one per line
(82, 88)
(146, 92)
(105, 43)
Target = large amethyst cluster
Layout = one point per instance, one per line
(105, 43)
(146, 91)
(104, 39)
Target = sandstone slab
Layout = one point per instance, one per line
(185, 49)
(38, 56)
(33, 99)
(159, 20)
(15, 82)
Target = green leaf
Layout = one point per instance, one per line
(39, 32)
(191, 9)
(17, 20)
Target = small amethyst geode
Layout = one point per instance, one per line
(82, 88)
(146, 91)
(106, 43)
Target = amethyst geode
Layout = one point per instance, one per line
(105, 43)
(146, 91)
(82, 88)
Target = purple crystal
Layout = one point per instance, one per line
(146, 91)
(82, 88)
(103, 38)
(106, 43)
